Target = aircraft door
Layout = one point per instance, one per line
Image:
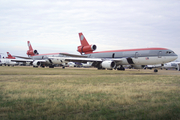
(113, 55)
(136, 55)
(136, 60)
(160, 54)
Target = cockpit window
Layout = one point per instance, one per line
(169, 52)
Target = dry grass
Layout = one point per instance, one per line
(72, 93)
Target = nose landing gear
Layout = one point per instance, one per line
(155, 70)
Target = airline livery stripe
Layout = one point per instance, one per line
(131, 50)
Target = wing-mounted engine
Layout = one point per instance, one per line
(108, 64)
(36, 63)
(86, 49)
(32, 52)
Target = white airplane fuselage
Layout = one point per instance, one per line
(172, 65)
(7, 62)
(143, 56)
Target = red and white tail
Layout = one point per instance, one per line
(85, 47)
(10, 56)
(29, 45)
(83, 40)
(31, 52)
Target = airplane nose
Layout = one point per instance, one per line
(175, 57)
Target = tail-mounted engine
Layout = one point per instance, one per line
(86, 49)
(32, 52)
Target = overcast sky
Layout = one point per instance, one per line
(52, 26)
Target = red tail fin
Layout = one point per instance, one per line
(83, 40)
(31, 52)
(85, 47)
(10, 56)
(29, 45)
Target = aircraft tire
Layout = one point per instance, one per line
(155, 70)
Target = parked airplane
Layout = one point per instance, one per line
(41, 59)
(77, 64)
(7, 60)
(153, 66)
(11, 61)
(117, 58)
(172, 65)
(71, 64)
(88, 64)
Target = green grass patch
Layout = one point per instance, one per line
(72, 93)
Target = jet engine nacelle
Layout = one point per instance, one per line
(108, 64)
(36, 63)
(32, 52)
(86, 49)
(138, 66)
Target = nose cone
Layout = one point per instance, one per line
(174, 57)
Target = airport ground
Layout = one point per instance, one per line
(88, 93)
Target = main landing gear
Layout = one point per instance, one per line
(51, 66)
(120, 68)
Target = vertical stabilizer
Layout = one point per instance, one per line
(10, 56)
(29, 45)
(83, 40)
(85, 47)
(31, 52)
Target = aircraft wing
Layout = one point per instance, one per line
(116, 60)
(84, 60)
(21, 60)
(73, 55)
(41, 60)
(22, 57)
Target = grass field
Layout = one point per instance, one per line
(90, 94)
